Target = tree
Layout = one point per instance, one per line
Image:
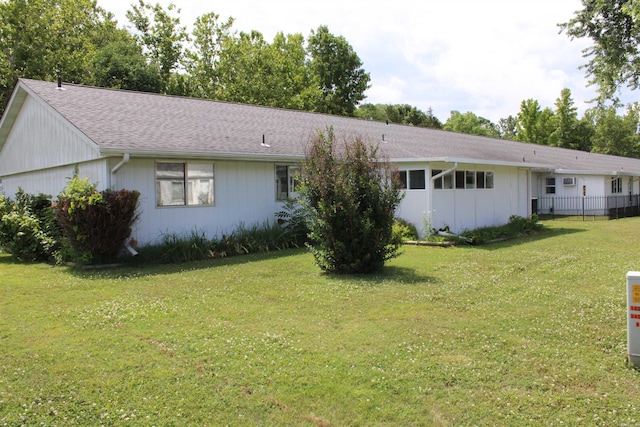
(121, 64)
(252, 71)
(566, 121)
(614, 58)
(209, 36)
(46, 39)
(471, 124)
(161, 36)
(614, 134)
(338, 72)
(351, 195)
(508, 127)
(535, 125)
(399, 113)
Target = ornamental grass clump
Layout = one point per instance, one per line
(351, 195)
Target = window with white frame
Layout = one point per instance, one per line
(412, 179)
(462, 180)
(188, 183)
(616, 185)
(286, 182)
(550, 186)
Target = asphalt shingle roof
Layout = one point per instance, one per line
(135, 122)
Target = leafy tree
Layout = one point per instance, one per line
(566, 122)
(535, 125)
(45, 39)
(614, 134)
(471, 124)
(252, 71)
(338, 71)
(614, 57)
(209, 36)
(161, 36)
(508, 127)
(399, 113)
(121, 64)
(351, 195)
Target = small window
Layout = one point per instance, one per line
(287, 178)
(437, 184)
(180, 184)
(488, 176)
(460, 177)
(402, 175)
(470, 179)
(550, 186)
(417, 179)
(479, 179)
(616, 185)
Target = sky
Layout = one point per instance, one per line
(465, 55)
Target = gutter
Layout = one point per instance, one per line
(116, 168)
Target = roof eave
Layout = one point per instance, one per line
(472, 161)
(254, 157)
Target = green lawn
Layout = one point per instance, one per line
(526, 332)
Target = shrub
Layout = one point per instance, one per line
(516, 226)
(351, 196)
(95, 224)
(294, 219)
(28, 229)
(404, 230)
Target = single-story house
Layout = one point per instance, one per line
(211, 166)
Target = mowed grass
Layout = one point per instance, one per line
(526, 332)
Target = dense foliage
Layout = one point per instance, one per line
(96, 224)
(28, 228)
(351, 196)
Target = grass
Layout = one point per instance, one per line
(527, 332)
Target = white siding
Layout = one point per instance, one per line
(52, 181)
(244, 194)
(41, 139)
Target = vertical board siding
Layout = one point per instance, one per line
(40, 139)
(244, 195)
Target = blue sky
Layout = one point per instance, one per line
(465, 55)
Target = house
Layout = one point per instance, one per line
(211, 166)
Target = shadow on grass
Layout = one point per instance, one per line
(521, 240)
(129, 269)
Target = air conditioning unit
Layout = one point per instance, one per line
(569, 181)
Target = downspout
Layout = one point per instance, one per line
(437, 176)
(116, 168)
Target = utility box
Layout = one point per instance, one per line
(633, 317)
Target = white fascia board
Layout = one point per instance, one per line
(472, 162)
(155, 154)
(593, 172)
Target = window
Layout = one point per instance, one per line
(470, 179)
(180, 184)
(444, 182)
(286, 182)
(616, 185)
(488, 180)
(460, 180)
(403, 179)
(550, 186)
(417, 179)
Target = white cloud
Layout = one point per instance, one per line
(467, 55)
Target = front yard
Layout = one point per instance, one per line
(526, 332)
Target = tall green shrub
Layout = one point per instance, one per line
(352, 195)
(28, 228)
(96, 224)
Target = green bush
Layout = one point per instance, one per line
(351, 196)
(28, 229)
(517, 226)
(403, 230)
(95, 224)
(294, 219)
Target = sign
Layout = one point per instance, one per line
(584, 190)
(633, 317)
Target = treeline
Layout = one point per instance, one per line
(600, 130)
(82, 43)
